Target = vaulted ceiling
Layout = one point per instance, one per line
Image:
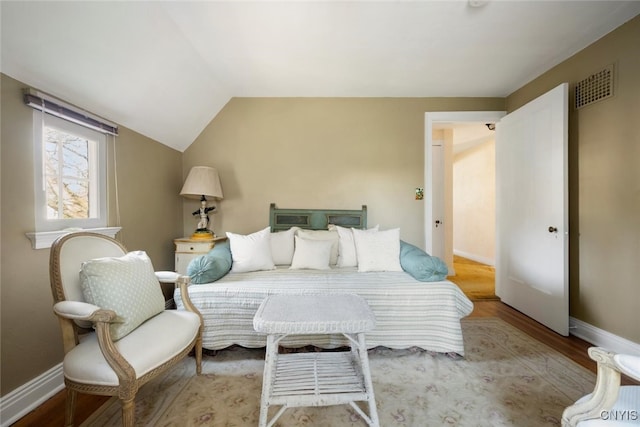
(166, 68)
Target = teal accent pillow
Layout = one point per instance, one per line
(212, 266)
(421, 265)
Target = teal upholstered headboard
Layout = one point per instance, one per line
(316, 219)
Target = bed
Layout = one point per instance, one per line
(409, 312)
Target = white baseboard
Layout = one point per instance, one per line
(19, 402)
(474, 257)
(601, 338)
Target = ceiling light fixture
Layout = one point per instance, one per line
(477, 3)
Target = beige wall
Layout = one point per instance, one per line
(604, 168)
(150, 176)
(336, 153)
(474, 202)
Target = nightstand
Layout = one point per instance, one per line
(188, 249)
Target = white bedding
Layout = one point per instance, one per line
(408, 312)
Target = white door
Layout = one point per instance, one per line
(532, 210)
(437, 221)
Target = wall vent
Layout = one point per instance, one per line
(594, 88)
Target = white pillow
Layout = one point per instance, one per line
(282, 246)
(378, 250)
(251, 252)
(311, 254)
(330, 235)
(347, 247)
(126, 285)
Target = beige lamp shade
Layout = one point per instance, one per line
(202, 181)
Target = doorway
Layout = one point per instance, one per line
(474, 216)
(460, 163)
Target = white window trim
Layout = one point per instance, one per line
(99, 160)
(44, 239)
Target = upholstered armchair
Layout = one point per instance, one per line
(116, 332)
(610, 404)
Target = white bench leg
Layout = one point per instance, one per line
(271, 359)
(368, 383)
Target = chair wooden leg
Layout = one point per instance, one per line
(70, 407)
(198, 351)
(128, 412)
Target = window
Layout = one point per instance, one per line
(70, 175)
(70, 158)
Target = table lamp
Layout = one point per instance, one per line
(202, 182)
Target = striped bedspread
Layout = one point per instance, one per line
(408, 312)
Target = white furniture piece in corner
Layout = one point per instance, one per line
(610, 404)
(187, 249)
(316, 378)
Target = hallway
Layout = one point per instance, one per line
(476, 280)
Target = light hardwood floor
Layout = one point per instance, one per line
(476, 280)
(51, 413)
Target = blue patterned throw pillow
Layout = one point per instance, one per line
(126, 285)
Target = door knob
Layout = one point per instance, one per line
(553, 229)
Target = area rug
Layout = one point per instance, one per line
(476, 280)
(506, 378)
